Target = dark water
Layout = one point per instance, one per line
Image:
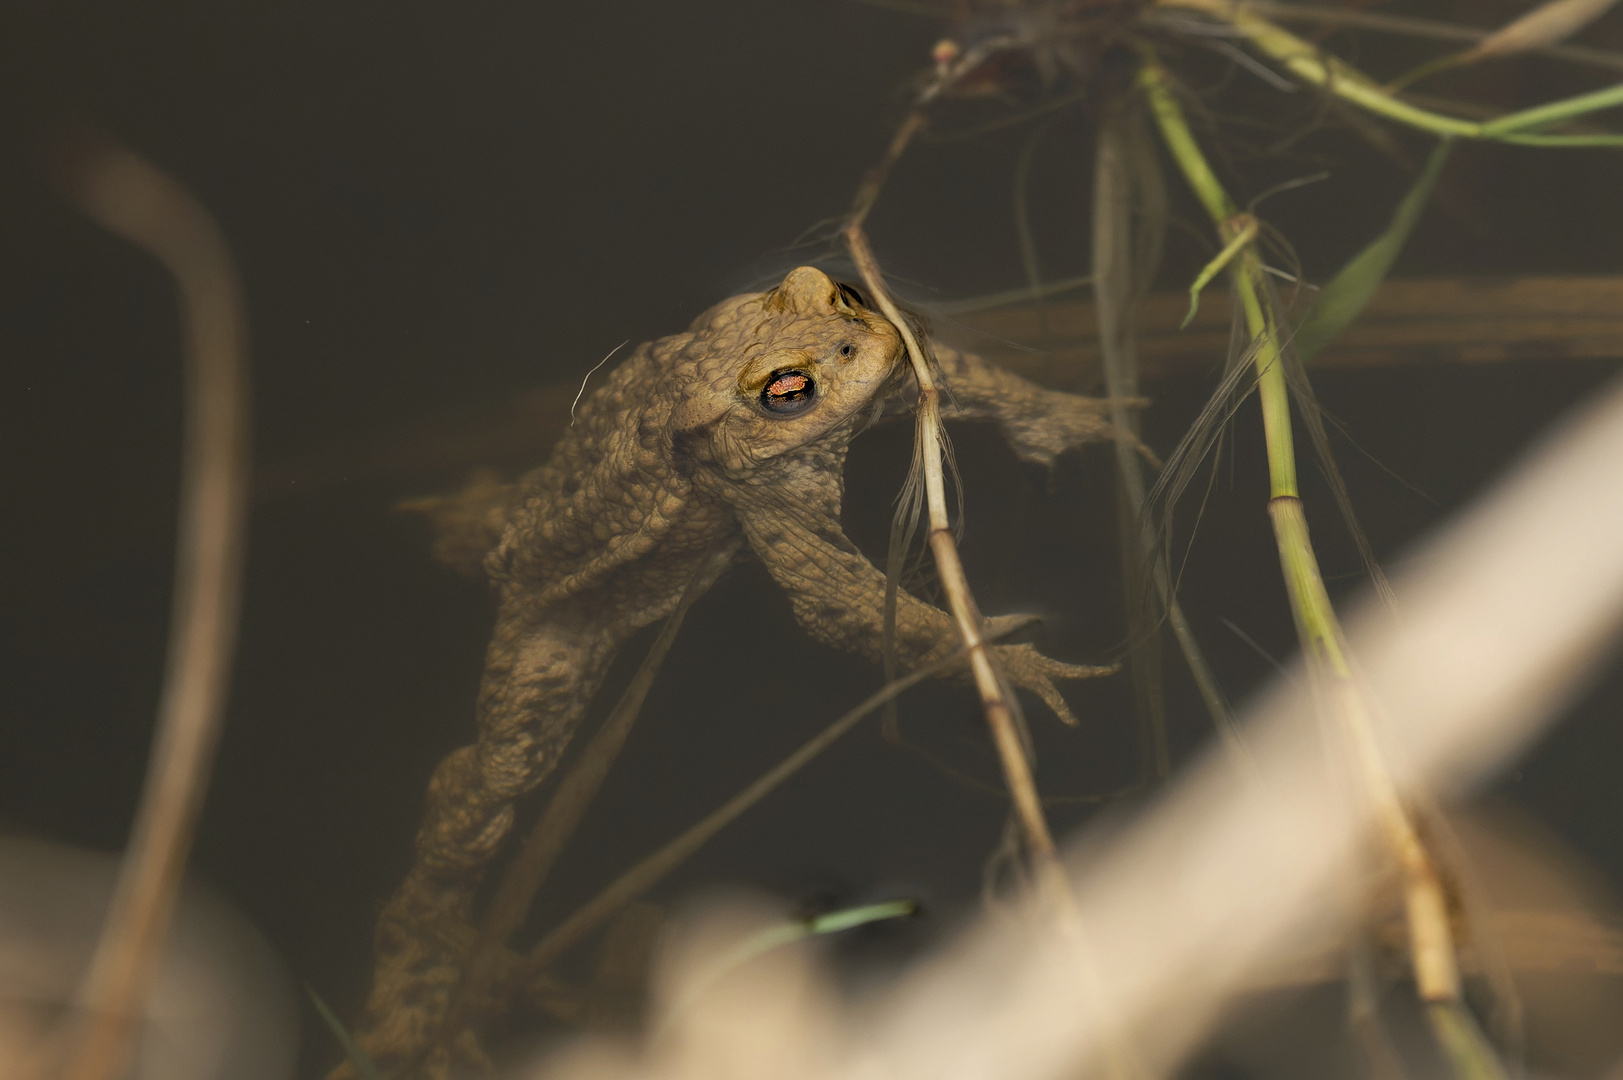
(436, 206)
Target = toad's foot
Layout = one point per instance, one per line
(1029, 669)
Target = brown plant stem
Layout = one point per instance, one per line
(989, 683)
(134, 199)
(931, 439)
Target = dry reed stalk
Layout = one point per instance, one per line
(1409, 321)
(134, 199)
(988, 681)
(1053, 886)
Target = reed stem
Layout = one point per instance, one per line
(1431, 946)
(955, 585)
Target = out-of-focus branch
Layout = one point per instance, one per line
(134, 199)
(1505, 615)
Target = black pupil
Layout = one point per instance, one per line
(789, 391)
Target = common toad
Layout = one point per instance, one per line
(737, 428)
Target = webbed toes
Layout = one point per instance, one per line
(1031, 670)
(1045, 689)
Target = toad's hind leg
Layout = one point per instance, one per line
(539, 679)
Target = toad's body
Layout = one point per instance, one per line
(735, 431)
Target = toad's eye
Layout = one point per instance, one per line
(847, 350)
(788, 393)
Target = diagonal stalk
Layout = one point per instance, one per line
(989, 682)
(1053, 886)
(1431, 945)
(645, 874)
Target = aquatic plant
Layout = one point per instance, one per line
(1126, 60)
(1045, 56)
(1073, 39)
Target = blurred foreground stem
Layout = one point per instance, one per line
(1436, 969)
(136, 200)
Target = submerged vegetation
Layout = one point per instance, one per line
(1036, 57)
(580, 563)
(997, 47)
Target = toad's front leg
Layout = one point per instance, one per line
(790, 512)
(1039, 423)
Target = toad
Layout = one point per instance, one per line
(735, 431)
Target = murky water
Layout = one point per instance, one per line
(438, 207)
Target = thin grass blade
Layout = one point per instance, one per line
(904, 529)
(649, 871)
(1547, 24)
(787, 933)
(1542, 116)
(357, 1057)
(1350, 291)
(1029, 259)
(1116, 292)
(1235, 245)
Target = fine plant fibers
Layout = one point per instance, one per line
(1431, 940)
(1263, 341)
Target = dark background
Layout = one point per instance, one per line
(435, 206)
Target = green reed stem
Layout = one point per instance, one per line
(1435, 966)
(1315, 617)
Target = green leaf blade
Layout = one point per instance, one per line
(1350, 291)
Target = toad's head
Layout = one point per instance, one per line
(778, 370)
